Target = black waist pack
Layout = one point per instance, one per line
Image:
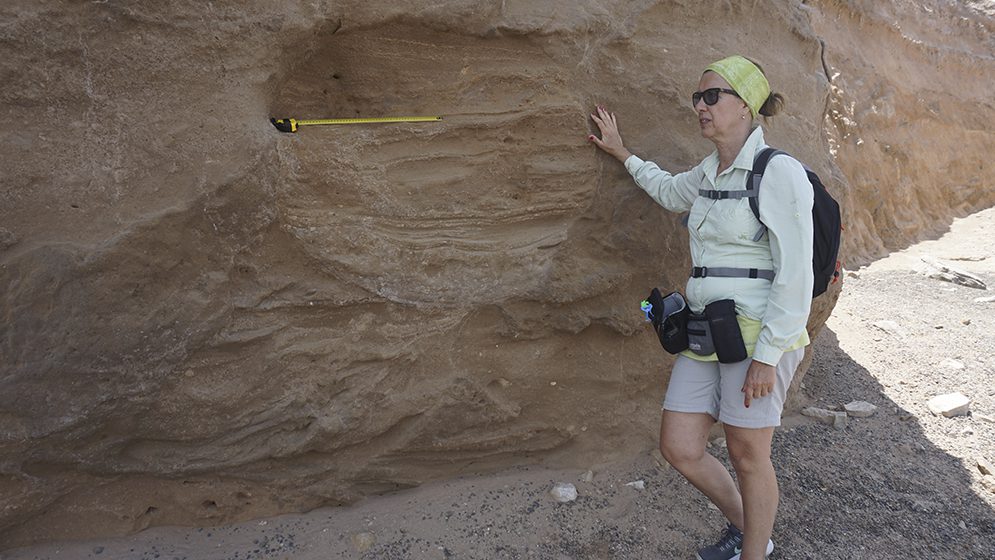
(727, 338)
(669, 316)
(715, 332)
(700, 335)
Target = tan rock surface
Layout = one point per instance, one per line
(900, 480)
(206, 320)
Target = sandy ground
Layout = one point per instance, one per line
(902, 483)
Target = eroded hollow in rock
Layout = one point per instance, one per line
(461, 211)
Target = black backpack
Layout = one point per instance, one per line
(826, 222)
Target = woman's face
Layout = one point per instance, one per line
(725, 119)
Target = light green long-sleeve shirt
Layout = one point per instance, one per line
(772, 315)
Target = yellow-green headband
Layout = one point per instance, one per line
(744, 77)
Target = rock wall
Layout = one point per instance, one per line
(207, 320)
(910, 115)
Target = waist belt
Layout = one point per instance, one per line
(725, 272)
(723, 195)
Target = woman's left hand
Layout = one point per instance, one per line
(760, 380)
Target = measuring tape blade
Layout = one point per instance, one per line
(290, 125)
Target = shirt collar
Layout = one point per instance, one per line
(754, 143)
(744, 159)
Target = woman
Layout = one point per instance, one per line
(747, 396)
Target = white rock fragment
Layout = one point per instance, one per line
(949, 405)
(818, 413)
(946, 272)
(985, 299)
(860, 409)
(564, 492)
(985, 418)
(985, 466)
(889, 327)
(587, 476)
(838, 420)
(637, 484)
(363, 541)
(952, 364)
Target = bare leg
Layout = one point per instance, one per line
(749, 451)
(682, 441)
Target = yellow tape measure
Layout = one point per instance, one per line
(290, 125)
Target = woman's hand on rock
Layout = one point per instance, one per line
(611, 140)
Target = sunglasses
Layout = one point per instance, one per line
(710, 95)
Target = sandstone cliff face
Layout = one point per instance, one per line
(910, 115)
(206, 320)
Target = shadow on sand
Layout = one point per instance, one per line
(880, 488)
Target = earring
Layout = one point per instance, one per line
(742, 117)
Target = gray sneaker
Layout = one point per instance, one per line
(729, 546)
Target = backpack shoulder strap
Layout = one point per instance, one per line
(753, 183)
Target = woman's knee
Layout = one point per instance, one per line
(683, 436)
(748, 462)
(749, 455)
(679, 452)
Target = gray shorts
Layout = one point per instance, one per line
(717, 389)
